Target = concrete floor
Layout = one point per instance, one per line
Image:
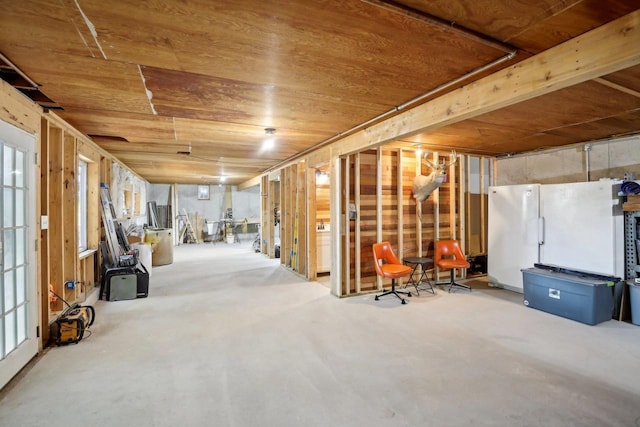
(230, 338)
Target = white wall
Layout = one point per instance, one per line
(122, 179)
(245, 204)
(608, 159)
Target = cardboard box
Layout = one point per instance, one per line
(634, 199)
(632, 204)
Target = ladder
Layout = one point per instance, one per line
(108, 220)
(187, 229)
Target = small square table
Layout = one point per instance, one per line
(426, 264)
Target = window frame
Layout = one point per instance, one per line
(82, 215)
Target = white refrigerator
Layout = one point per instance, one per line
(574, 225)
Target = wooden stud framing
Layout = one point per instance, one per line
(56, 230)
(379, 203)
(400, 205)
(57, 150)
(69, 216)
(264, 213)
(282, 209)
(347, 223)
(483, 207)
(418, 171)
(358, 237)
(312, 235)
(337, 228)
(301, 223)
(461, 190)
(275, 203)
(44, 234)
(456, 209)
(466, 160)
(285, 190)
(435, 196)
(452, 201)
(459, 218)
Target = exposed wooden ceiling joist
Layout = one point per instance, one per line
(209, 77)
(607, 49)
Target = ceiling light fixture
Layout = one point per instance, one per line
(270, 141)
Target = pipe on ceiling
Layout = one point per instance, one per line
(394, 110)
(437, 22)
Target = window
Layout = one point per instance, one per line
(82, 205)
(203, 192)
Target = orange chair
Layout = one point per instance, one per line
(449, 256)
(389, 266)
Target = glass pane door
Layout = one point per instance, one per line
(18, 341)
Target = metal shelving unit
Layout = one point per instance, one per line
(631, 233)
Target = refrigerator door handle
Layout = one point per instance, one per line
(541, 231)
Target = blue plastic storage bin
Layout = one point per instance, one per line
(634, 297)
(577, 296)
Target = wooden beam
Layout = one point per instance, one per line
(358, 237)
(466, 160)
(483, 219)
(264, 214)
(302, 191)
(400, 206)
(419, 243)
(462, 203)
(435, 196)
(273, 202)
(606, 49)
(55, 213)
(250, 183)
(69, 216)
(453, 224)
(347, 225)
(379, 203)
(337, 227)
(44, 234)
(312, 233)
(19, 110)
(285, 217)
(617, 87)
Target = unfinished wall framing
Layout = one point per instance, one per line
(377, 204)
(373, 201)
(72, 274)
(290, 199)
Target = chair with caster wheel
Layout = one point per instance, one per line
(449, 256)
(389, 266)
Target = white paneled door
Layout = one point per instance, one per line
(18, 293)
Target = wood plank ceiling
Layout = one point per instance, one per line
(182, 91)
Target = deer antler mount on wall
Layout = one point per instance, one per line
(423, 186)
